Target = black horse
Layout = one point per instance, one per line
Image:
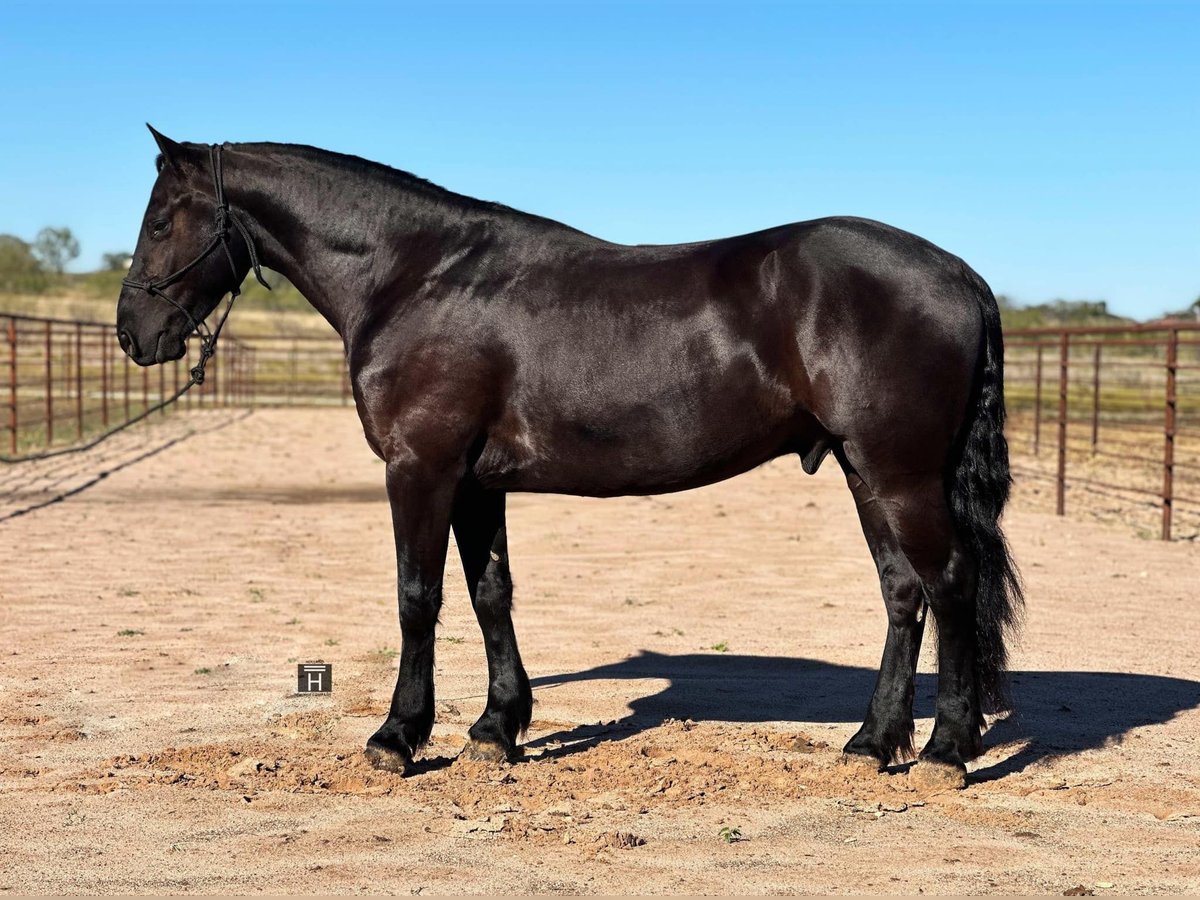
(491, 350)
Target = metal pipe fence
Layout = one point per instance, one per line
(307, 370)
(1125, 417)
(65, 381)
(1105, 412)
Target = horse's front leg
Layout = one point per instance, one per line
(422, 498)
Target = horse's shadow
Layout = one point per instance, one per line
(1057, 712)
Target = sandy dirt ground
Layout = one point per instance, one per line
(698, 660)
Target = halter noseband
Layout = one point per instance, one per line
(225, 219)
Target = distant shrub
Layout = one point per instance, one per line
(282, 296)
(117, 261)
(20, 271)
(1057, 312)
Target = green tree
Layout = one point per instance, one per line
(1191, 311)
(20, 271)
(116, 262)
(55, 248)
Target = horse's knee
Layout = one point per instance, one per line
(902, 594)
(419, 607)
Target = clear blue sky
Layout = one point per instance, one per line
(1055, 146)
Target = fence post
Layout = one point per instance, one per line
(214, 383)
(49, 388)
(1064, 362)
(292, 375)
(243, 376)
(79, 380)
(1096, 397)
(104, 380)
(66, 359)
(1168, 497)
(12, 385)
(1037, 404)
(125, 360)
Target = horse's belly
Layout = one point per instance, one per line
(631, 454)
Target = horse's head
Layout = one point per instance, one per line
(188, 256)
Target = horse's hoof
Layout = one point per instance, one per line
(930, 776)
(484, 751)
(386, 758)
(859, 765)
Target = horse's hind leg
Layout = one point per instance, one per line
(479, 529)
(917, 512)
(886, 733)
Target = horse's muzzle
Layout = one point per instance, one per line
(165, 348)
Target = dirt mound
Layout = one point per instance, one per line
(677, 765)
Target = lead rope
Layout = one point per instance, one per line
(154, 287)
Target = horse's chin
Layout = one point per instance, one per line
(170, 348)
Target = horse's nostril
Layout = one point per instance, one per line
(125, 339)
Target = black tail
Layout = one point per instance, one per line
(978, 485)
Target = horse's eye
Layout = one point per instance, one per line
(159, 228)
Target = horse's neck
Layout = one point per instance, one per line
(338, 238)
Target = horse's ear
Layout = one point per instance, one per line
(173, 153)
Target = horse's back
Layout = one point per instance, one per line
(847, 319)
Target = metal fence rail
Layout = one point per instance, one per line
(1112, 411)
(299, 371)
(64, 381)
(1109, 412)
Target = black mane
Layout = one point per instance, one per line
(392, 177)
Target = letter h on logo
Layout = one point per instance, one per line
(314, 678)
